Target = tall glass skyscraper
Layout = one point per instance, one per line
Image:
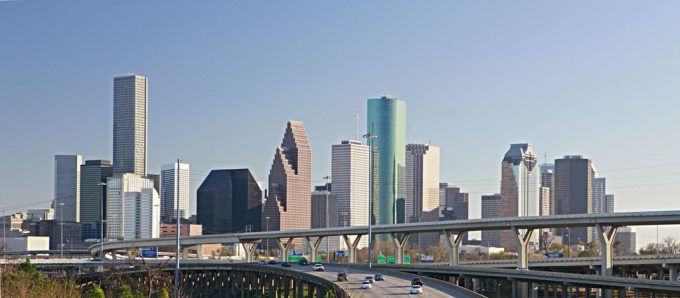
(130, 124)
(387, 123)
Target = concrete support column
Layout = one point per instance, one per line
(249, 248)
(672, 272)
(199, 251)
(522, 249)
(185, 253)
(453, 241)
(399, 243)
(607, 242)
(352, 247)
(313, 247)
(283, 247)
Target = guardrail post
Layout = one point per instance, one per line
(352, 247)
(284, 248)
(399, 244)
(313, 247)
(453, 241)
(522, 249)
(607, 242)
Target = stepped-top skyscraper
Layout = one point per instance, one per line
(421, 182)
(520, 177)
(386, 124)
(288, 202)
(130, 94)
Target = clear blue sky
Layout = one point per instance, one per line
(600, 79)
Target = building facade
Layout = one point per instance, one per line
(520, 178)
(174, 188)
(625, 241)
(387, 123)
(492, 207)
(573, 194)
(67, 186)
(290, 182)
(133, 208)
(40, 214)
(93, 176)
(130, 113)
(456, 207)
(350, 180)
(325, 215)
(229, 201)
(421, 181)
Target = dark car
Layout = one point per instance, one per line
(379, 277)
(303, 262)
(416, 281)
(342, 276)
(272, 262)
(286, 264)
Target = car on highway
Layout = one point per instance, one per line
(272, 262)
(369, 279)
(366, 284)
(318, 267)
(285, 264)
(416, 281)
(262, 262)
(342, 276)
(416, 289)
(379, 277)
(303, 262)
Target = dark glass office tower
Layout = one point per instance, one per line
(93, 176)
(229, 201)
(573, 194)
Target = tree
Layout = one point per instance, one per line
(163, 294)
(28, 267)
(670, 245)
(95, 292)
(123, 292)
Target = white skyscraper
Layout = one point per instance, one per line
(130, 114)
(171, 191)
(421, 182)
(349, 183)
(133, 208)
(67, 187)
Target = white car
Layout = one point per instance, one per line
(416, 289)
(366, 284)
(318, 267)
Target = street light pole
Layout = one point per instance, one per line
(267, 240)
(61, 226)
(328, 191)
(177, 227)
(101, 222)
(369, 139)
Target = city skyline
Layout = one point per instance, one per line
(605, 86)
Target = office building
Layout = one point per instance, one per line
(130, 113)
(625, 241)
(599, 186)
(173, 190)
(520, 178)
(170, 230)
(229, 201)
(442, 193)
(67, 186)
(573, 194)
(68, 233)
(93, 175)
(325, 215)
(491, 208)
(421, 181)
(456, 207)
(133, 208)
(40, 214)
(387, 124)
(608, 203)
(290, 183)
(350, 180)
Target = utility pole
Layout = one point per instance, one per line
(177, 227)
(328, 191)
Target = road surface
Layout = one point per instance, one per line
(395, 283)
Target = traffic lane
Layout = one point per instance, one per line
(395, 283)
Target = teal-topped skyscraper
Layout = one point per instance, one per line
(387, 125)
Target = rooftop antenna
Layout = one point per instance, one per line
(358, 139)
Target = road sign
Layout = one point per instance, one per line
(391, 260)
(382, 260)
(149, 253)
(318, 259)
(341, 253)
(407, 259)
(294, 258)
